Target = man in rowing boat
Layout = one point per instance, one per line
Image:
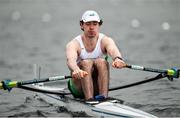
(85, 58)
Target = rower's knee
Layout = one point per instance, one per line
(100, 62)
(86, 63)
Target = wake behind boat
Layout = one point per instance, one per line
(111, 107)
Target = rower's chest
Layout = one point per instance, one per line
(90, 46)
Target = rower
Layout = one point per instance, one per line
(85, 59)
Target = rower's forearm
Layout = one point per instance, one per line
(114, 53)
(72, 66)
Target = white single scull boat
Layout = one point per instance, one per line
(112, 107)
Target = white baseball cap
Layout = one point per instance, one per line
(90, 15)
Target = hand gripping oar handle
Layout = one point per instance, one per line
(8, 84)
(171, 73)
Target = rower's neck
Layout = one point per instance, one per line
(90, 40)
(89, 43)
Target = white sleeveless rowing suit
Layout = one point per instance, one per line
(96, 53)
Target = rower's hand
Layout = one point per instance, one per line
(79, 74)
(118, 63)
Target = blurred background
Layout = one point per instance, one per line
(36, 32)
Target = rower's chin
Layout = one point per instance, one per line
(92, 35)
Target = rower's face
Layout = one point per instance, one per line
(91, 29)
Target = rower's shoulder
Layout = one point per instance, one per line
(106, 38)
(72, 43)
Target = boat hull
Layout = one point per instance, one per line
(107, 108)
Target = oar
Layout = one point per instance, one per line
(8, 84)
(170, 73)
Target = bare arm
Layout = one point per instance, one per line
(111, 48)
(113, 51)
(72, 56)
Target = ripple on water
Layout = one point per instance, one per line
(37, 107)
(167, 112)
(37, 113)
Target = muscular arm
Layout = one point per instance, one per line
(111, 48)
(72, 55)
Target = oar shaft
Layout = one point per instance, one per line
(13, 84)
(137, 67)
(55, 78)
(174, 72)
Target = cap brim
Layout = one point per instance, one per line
(90, 20)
